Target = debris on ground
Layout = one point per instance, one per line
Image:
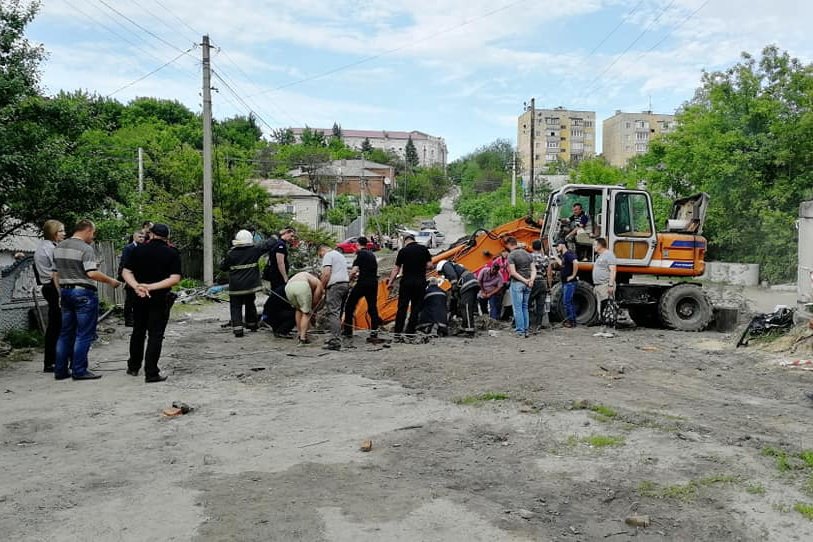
(638, 521)
(803, 364)
(178, 409)
(366, 445)
(525, 514)
(779, 321)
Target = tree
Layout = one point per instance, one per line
(598, 171)
(283, 136)
(312, 138)
(337, 130)
(412, 159)
(366, 146)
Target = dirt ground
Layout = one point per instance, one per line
(560, 436)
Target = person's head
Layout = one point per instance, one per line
(85, 230)
(362, 242)
(504, 253)
(243, 239)
(159, 231)
(146, 226)
(408, 239)
(578, 209)
(287, 234)
(510, 243)
(537, 245)
(53, 230)
(561, 248)
(494, 269)
(322, 250)
(600, 245)
(138, 236)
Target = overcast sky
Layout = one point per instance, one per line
(460, 69)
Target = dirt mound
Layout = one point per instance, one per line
(798, 341)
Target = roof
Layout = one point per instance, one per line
(346, 168)
(285, 189)
(26, 239)
(372, 134)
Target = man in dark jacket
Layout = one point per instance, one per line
(130, 296)
(365, 271)
(244, 280)
(434, 317)
(279, 313)
(464, 293)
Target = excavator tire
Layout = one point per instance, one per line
(685, 307)
(583, 297)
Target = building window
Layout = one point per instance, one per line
(627, 125)
(577, 122)
(550, 157)
(641, 136)
(577, 147)
(552, 120)
(576, 132)
(641, 124)
(640, 147)
(632, 218)
(552, 134)
(553, 144)
(290, 210)
(588, 124)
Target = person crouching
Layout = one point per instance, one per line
(244, 280)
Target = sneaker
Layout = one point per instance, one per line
(333, 344)
(302, 342)
(283, 335)
(132, 373)
(157, 378)
(88, 375)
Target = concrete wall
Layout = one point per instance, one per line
(740, 274)
(804, 282)
(16, 286)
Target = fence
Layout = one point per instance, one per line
(109, 265)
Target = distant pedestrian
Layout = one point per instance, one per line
(604, 272)
(244, 280)
(304, 292)
(541, 288)
(491, 290)
(46, 275)
(77, 274)
(569, 273)
(365, 273)
(523, 274)
(151, 270)
(336, 283)
(138, 237)
(415, 260)
(276, 272)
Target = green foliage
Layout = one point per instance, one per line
(390, 217)
(684, 492)
(605, 411)
(481, 398)
(805, 509)
(23, 338)
(344, 211)
(421, 185)
(746, 139)
(366, 146)
(411, 154)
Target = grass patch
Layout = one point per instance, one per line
(604, 410)
(805, 509)
(602, 441)
(780, 457)
(24, 338)
(755, 489)
(482, 398)
(807, 457)
(683, 492)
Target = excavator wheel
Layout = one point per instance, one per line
(685, 307)
(583, 298)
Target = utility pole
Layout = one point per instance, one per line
(140, 170)
(514, 181)
(208, 253)
(533, 149)
(362, 182)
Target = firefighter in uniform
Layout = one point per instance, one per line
(464, 293)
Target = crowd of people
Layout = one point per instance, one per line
(515, 285)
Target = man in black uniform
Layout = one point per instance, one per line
(434, 318)
(415, 261)
(276, 272)
(279, 314)
(151, 270)
(365, 270)
(464, 293)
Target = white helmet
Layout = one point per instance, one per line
(440, 265)
(243, 238)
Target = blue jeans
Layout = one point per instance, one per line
(568, 289)
(80, 310)
(520, 293)
(495, 306)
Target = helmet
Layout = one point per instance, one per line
(243, 238)
(439, 267)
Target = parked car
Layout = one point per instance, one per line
(440, 237)
(428, 225)
(426, 238)
(350, 246)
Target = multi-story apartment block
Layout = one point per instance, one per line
(628, 134)
(431, 149)
(561, 135)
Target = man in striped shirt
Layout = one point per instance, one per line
(77, 274)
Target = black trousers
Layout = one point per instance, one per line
(536, 302)
(150, 317)
(236, 304)
(410, 296)
(54, 325)
(368, 291)
(129, 299)
(467, 309)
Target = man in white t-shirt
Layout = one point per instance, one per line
(335, 280)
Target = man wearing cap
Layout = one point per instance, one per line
(244, 280)
(151, 269)
(77, 273)
(415, 261)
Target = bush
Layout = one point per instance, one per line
(24, 338)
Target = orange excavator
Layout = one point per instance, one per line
(624, 217)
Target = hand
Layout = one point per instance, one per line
(142, 290)
(389, 284)
(611, 288)
(114, 283)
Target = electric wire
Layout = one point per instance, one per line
(675, 29)
(165, 8)
(143, 28)
(241, 100)
(614, 30)
(156, 70)
(390, 51)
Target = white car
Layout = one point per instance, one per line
(440, 237)
(426, 238)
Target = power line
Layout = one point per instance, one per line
(590, 85)
(165, 8)
(234, 87)
(389, 51)
(156, 70)
(614, 30)
(147, 30)
(241, 100)
(675, 29)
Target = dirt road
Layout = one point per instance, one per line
(448, 221)
(557, 437)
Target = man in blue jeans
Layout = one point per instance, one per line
(523, 274)
(77, 273)
(569, 275)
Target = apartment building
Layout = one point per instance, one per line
(628, 134)
(560, 135)
(431, 149)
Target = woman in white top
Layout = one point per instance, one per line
(44, 270)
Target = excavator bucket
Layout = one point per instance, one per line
(472, 253)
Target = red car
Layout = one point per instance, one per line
(349, 246)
